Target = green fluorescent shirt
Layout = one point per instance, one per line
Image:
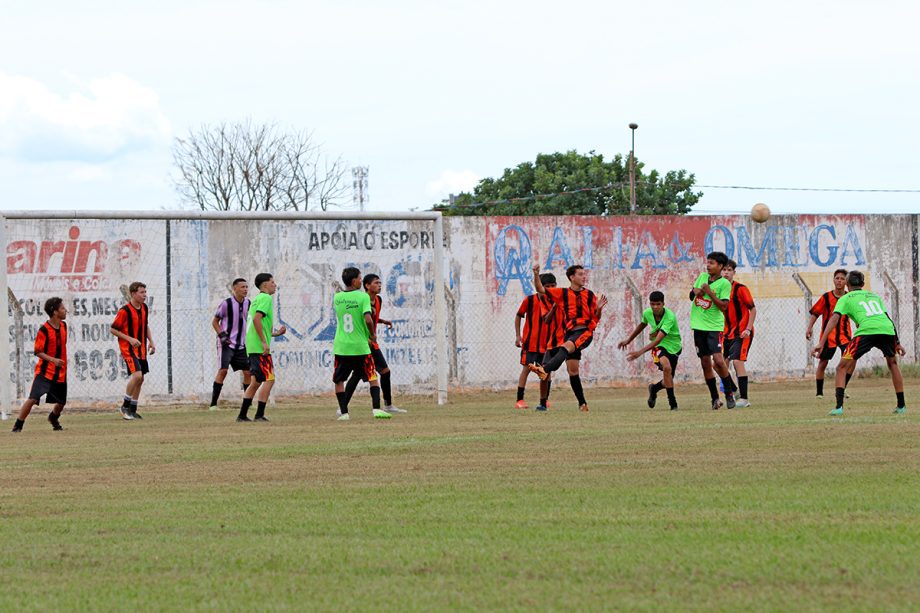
(868, 312)
(704, 315)
(260, 304)
(668, 324)
(351, 333)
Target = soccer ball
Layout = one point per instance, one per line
(760, 212)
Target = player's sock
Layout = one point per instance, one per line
(575, 380)
(849, 376)
(342, 397)
(549, 385)
(728, 384)
(350, 386)
(133, 407)
(127, 402)
(375, 397)
(385, 388)
(743, 387)
(557, 360)
(520, 393)
(672, 400)
(819, 387)
(17, 427)
(900, 396)
(244, 409)
(260, 409)
(658, 386)
(245, 385)
(840, 392)
(543, 401)
(713, 391)
(215, 392)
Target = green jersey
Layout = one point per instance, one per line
(668, 324)
(351, 333)
(704, 315)
(260, 304)
(868, 312)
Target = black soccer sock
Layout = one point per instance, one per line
(549, 385)
(819, 387)
(543, 401)
(244, 409)
(658, 386)
(575, 380)
(245, 385)
(557, 360)
(343, 402)
(127, 402)
(215, 392)
(713, 390)
(520, 393)
(672, 400)
(350, 387)
(728, 384)
(743, 387)
(900, 396)
(19, 424)
(133, 407)
(849, 376)
(260, 409)
(840, 392)
(385, 388)
(375, 397)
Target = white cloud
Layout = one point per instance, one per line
(102, 119)
(452, 182)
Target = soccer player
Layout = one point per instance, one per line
(874, 328)
(710, 295)
(839, 336)
(354, 336)
(51, 371)
(739, 330)
(132, 329)
(372, 286)
(259, 332)
(230, 325)
(580, 312)
(533, 310)
(664, 343)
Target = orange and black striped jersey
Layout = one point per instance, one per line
(824, 308)
(536, 332)
(578, 308)
(132, 322)
(376, 305)
(52, 342)
(738, 314)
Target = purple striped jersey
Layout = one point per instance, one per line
(232, 316)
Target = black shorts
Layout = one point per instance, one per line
(261, 367)
(53, 391)
(361, 365)
(707, 342)
(661, 354)
(530, 357)
(827, 353)
(861, 345)
(235, 358)
(137, 365)
(581, 339)
(737, 348)
(380, 362)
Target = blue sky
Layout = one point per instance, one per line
(433, 96)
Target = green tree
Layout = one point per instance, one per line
(594, 186)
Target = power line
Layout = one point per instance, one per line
(814, 189)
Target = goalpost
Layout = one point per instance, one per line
(188, 260)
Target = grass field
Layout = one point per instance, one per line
(472, 506)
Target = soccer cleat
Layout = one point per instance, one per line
(17, 427)
(393, 410)
(53, 420)
(900, 410)
(819, 396)
(837, 411)
(343, 417)
(136, 415)
(242, 419)
(548, 405)
(380, 414)
(126, 414)
(730, 401)
(742, 403)
(541, 407)
(260, 418)
(716, 404)
(213, 407)
(583, 408)
(652, 396)
(520, 404)
(674, 408)
(538, 370)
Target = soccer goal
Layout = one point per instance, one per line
(188, 261)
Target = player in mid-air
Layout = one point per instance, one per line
(580, 311)
(51, 371)
(710, 295)
(229, 324)
(354, 336)
(664, 343)
(259, 332)
(372, 285)
(536, 313)
(840, 334)
(132, 328)
(874, 328)
(739, 330)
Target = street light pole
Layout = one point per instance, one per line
(632, 170)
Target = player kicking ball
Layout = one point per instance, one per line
(665, 345)
(874, 329)
(51, 371)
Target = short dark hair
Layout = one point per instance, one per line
(656, 296)
(53, 304)
(718, 257)
(856, 279)
(135, 286)
(369, 278)
(547, 278)
(263, 277)
(349, 275)
(731, 264)
(570, 271)
(238, 280)
(841, 271)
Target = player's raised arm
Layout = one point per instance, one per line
(537, 283)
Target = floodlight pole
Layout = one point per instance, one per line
(632, 170)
